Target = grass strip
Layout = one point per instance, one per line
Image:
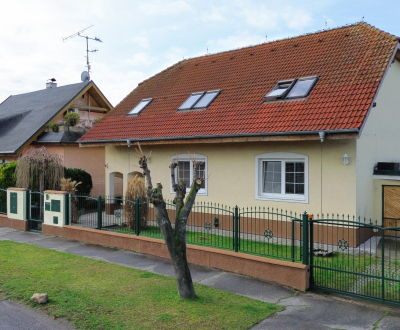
(262, 246)
(97, 295)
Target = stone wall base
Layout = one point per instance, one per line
(282, 272)
(13, 223)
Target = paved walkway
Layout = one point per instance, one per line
(303, 310)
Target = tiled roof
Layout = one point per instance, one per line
(24, 115)
(350, 62)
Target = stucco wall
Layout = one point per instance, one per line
(379, 142)
(232, 180)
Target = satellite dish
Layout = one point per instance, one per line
(85, 76)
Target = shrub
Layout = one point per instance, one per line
(72, 118)
(7, 175)
(79, 175)
(96, 120)
(55, 127)
(71, 187)
(136, 187)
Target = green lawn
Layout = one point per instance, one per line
(98, 295)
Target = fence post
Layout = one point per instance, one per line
(137, 216)
(305, 238)
(292, 240)
(27, 214)
(311, 248)
(99, 213)
(66, 209)
(236, 229)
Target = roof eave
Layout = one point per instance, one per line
(194, 137)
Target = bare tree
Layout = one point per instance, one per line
(174, 236)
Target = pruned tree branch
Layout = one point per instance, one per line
(143, 166)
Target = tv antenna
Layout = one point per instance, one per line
(78, 34)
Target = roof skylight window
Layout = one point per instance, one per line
(199, 100)
(206, 99)
(280, 90)
(191, 101)
(291, 89)
(142, 104)
(302, 87)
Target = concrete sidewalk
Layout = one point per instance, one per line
(303, 310)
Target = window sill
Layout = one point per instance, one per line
(386, 177)
(201, 192)
(284, 198)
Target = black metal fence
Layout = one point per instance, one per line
(3, 201)
(260, 231)
(346, 255)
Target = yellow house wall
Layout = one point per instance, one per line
(232, 180)
(379, 142)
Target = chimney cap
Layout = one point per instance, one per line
(51, 83)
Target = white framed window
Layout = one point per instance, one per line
(185, 171)
(282, 177)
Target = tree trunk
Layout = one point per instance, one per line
(182, 272)
(175, 238)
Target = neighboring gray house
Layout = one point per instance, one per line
(23, 120)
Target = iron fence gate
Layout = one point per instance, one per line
(355, 258)
(3, 201)
(36, 210)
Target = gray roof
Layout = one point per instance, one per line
(60, 137)
(23, 115)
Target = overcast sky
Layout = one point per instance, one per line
(141, 38)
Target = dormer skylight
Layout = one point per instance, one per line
(199, 100)
(302, 87)
(142, 104)
(280, 90)
(291, 89)
(191, 101)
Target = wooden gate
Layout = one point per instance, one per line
(391, 208)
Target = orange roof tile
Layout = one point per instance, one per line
(350, 62)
